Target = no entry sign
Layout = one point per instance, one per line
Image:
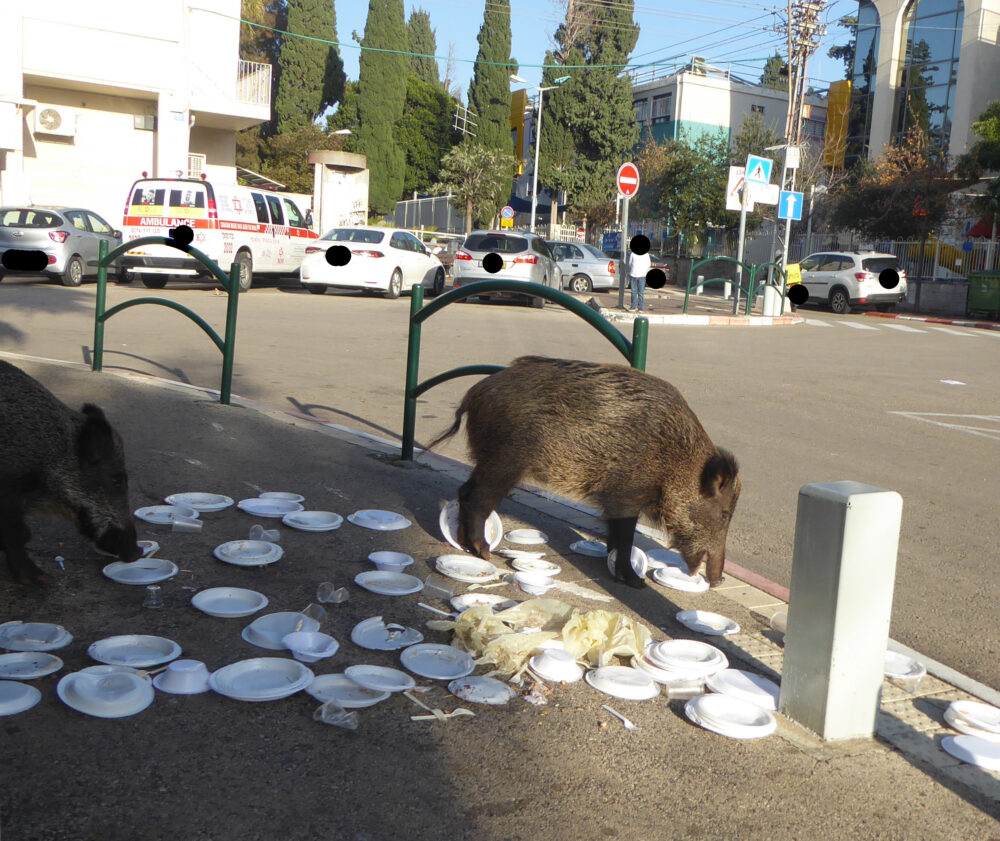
(628, 179)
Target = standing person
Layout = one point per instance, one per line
(638, 267)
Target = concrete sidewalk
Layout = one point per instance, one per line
(207, 767)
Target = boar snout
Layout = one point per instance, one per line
(120, 542)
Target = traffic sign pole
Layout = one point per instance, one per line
(622, 264)
(627, 180)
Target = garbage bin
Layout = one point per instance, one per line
(984, 293)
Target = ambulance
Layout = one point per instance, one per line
(265, 233)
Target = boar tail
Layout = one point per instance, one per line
(449, 432)
(720, 471)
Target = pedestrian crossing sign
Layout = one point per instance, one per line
(758, 169)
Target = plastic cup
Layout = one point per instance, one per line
(258, 532)
(186, 524)
(314, 611)
(332, 713)
(154, 597)
(437, 587)
(330, 593)
(683, 690)
(779, 622)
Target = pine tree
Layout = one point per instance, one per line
(775, 73)
(381, 97)
(311, 74)
(423, 42)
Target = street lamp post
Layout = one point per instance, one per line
(538, 137)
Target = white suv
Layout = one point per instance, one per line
(845, 279)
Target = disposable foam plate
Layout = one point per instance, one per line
(200, 501)
(140, 651)
(481, 690)
(389, 583)
(664, 676)
(268, 630)
(526, 537)
(288, 496)
(900, 667)
(466, 568)
(973, 750)
(87, 691)
(979, 715)
(592, 548)
(467, 600)
(690, 656)
(963, 726)
(557, 666)
(16, 697)
(516, 554)
(659, 558)
(390, 561)
(261, 679)
(375, 634)
(714, 624)
(164, 515)
(732, 717)
(640, 563)
(148, 547)
(745, 685)
(343, 690)
(28, 665)
(448, 521)
(274, 508)
(437, 661)
(380, 678)
(622, 682)
(248, 553)
(229, 602)
(144, 571)
(374, 518)
(313, 520)
(678, 579)
(535, 565)
(33, 636)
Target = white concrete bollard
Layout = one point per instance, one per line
(701, 289)
(771, 301)
(727, 290)
(843, 570)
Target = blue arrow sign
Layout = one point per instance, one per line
(790, 205)
(758, 169)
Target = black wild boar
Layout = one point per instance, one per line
(69, 463)
(622, 439)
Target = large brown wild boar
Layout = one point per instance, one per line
(70, 463)
(619, 438)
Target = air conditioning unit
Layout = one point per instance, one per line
(55, 120)
(196, 165)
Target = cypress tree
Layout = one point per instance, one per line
(424, 132)
(311, 74)
(423, 42)
(381, 97)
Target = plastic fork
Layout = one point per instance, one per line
(628, 724)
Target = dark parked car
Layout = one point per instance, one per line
(60, 242)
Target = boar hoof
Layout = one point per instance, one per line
(632, 580)
(33, 577)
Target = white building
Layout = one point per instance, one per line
(92, 95)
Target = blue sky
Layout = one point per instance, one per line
(736, 33)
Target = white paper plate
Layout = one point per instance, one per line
(556, 665)
(659, 558)
(229, 602)
(979, 715)
(140, 651)
(448, 522)
(200, 501)
(148, 547)
(164, 515)
(437, 661)
(746, 685)
(100, 691)
(640, 563)
(900, 667)
(380, 678)
(389, 583)
(143, 571)
(962, 726)
(16, 697)
(622, 682)
(481, 690)
(714, 624)
(344, 691)
(261, 679)
(33, 636)
(288, 496)
(526, 537)
(591, 548)
(664, 676)
(313, 520)
(273, 508)
(467, 600)
(248, 553)
(973, 750)
(28, 665)
(515, 554)
(692, 657)
(374, 518)
(268, 630)
(678, 579)
(732, 717)
(375, 634)
(536, 565)
(466, 568)
(390, 561)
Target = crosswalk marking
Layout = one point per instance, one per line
(952, 332)
(857, 326)
(905, 328)
(815, 322)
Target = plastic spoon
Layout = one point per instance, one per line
(628, 724)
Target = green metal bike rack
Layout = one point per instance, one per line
(755, 289)
(634, 351)
(226, 345)
(750, 291)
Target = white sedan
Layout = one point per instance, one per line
(384, 259)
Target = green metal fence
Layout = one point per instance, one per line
(226, 345)
(750, 290)
(634, 351)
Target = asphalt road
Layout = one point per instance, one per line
(839, 397)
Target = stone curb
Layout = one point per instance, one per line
(933, 319)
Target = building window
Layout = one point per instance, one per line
(756, 109)
(641, 107)
(862, 78)
(661, 108)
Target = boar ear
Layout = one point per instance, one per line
(95, 441)
(719, 472)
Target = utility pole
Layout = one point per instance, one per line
(803, 31)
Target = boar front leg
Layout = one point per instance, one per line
(621, 535)
(14, 537)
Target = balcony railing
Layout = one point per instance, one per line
(253, 83)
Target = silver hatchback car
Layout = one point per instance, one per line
(61, 242)
(506, 255)
(584, 267)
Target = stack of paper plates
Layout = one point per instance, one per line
(746, 685)
(730, 716)
(200, 501)
(974, 719)
(686, 659)
(261, 679)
